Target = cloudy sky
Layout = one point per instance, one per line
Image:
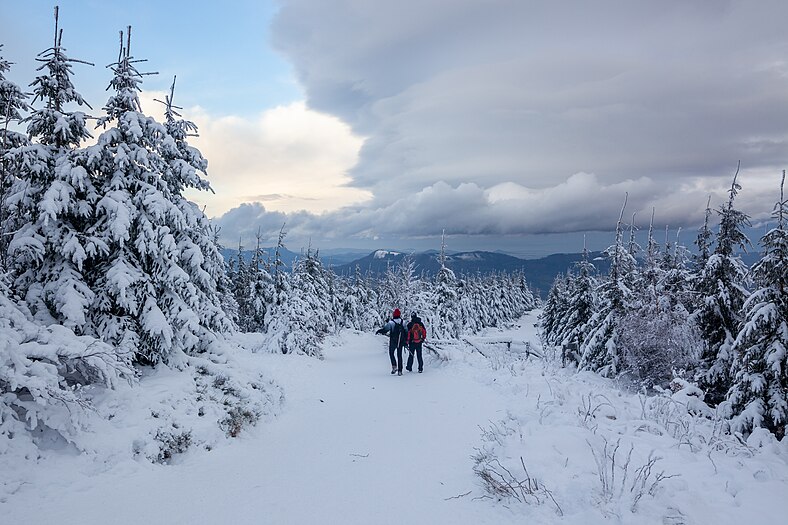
(509, 124)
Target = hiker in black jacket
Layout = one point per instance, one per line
(417, 333)
(398, 335)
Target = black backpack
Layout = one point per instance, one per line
(398, 333)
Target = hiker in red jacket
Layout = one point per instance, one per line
(417, 333)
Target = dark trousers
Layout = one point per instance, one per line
(415, 348)
(396, 362)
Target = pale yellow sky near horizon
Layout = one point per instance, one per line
(288, 157)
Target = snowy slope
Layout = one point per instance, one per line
(354, 444)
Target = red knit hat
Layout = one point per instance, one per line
(396, 313)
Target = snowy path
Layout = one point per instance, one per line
(353, 445)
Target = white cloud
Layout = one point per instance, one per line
(581, 203)
(290, 156)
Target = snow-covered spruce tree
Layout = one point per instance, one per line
(277, 269)
(393, 288)
(468, 292)
(704, 241)
(500, 299)
(677, 281)
(630, 271)
(238, 280)
(185, 168)
(722, 293)
(525, 296)
(554, 310)
(156, 282)
(446, 322)
(645, 288)
(252, 287)
(43, 369)
(261, 288)
(13, 103)
(600, 351)
(52, 200)
(580, 304)
(303, 315)
(359, 304)
(759, 396)
(198, 244)
(408, 285)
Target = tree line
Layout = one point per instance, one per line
(297, 309)
(663, 312)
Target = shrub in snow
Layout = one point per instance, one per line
(200, 407)
(170, 444)
(501, 482)
(44, 371)
(656, 345)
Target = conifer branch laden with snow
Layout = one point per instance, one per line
(759, 395)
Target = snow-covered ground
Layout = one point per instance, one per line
(353, 444)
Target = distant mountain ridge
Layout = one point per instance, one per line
(540, 273)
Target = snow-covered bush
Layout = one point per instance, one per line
(44, 371)
(657, 345)
(214, 399)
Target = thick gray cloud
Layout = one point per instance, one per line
(488, 117)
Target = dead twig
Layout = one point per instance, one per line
(458, 496)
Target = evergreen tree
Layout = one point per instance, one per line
(279, 275)
(13, 102)
(704, 240)
(580, 305)
(554, 310)
(676, 282)
(238, 274)
(600, 351)
(303, 315)
(447, 322)
(759, 395)
(721, 288)
(359, 306)
(156, 283)
(53, 199)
